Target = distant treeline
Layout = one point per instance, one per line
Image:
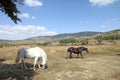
(73, 41)
(68, 41)
(109, 37)
(85, 41)
(15, 44)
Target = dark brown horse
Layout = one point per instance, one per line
(77, 51)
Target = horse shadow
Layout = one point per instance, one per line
(118, 54)
(2, 59)
(14, 72)
(73, 57)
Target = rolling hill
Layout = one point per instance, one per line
(43, 39)
(61, 36)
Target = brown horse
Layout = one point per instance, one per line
(77, 51)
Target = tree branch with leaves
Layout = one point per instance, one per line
(9, 8)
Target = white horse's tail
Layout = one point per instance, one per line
(17, 57)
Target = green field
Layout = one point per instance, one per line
(102, 63)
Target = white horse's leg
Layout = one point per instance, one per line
(35, 61)
(39, 63)
(23, 65)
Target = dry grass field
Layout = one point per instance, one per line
(102, 63)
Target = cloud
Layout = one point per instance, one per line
(102, 2)
(20, 32)
(110, 23)
(26, 15)
(103, 26)
(33, 3)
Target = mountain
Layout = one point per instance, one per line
(2, 40)
(112, 32)
(66, 35)
(61, 36)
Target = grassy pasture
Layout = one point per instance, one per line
(102, 63)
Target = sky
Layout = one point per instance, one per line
(52, 17)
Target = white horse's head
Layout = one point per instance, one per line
(43, 66)
(44, 62)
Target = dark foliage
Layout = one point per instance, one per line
(9, 8)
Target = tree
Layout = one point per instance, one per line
(99, 39)
(9, 8)
(67, 41)
(84, 41)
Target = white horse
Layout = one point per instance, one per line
(35, 53)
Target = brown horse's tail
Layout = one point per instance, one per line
(17, 58)
(67, 53)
